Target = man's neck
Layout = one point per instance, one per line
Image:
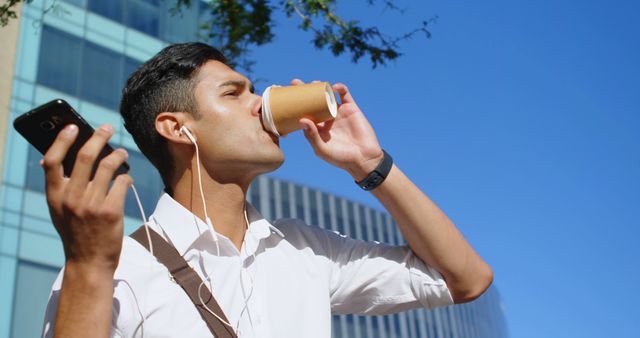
(225, 204)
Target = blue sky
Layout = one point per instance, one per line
(521, 120)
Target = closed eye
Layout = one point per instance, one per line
(238, 87)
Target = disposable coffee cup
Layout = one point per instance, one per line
(283, 107)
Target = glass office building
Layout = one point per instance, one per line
(83, 51)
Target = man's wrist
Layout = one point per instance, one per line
(91, 272)
(378, 175)
(361, 170)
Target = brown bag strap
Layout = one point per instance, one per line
(188, 279)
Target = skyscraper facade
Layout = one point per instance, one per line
(82, 51)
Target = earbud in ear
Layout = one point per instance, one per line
(186, 131)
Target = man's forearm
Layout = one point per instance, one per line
(85, 302)
(433, 237)
(349, 142)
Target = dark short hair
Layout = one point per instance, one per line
(163, 84)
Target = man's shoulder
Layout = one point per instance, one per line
(298, 232)
(136, 262)
(293, 227)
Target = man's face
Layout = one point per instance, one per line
(230, 135)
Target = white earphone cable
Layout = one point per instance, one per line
(144, 217)
(146, 228)
(204, 202)
(215, 238)
(246, 299)
(208, 221)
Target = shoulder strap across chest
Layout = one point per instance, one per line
(189, 280)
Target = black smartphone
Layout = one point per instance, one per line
(41, 125)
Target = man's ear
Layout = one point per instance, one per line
(168, 125)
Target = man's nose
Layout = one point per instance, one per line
(257, 105)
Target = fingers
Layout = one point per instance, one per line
(116, 197)
(343, 91)
(297, 81)
(52, 161)
(83, 166)
(312, 134)
(107, 167)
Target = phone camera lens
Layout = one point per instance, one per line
(47, 125)
(57, 120)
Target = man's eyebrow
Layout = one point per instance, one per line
(237, 83)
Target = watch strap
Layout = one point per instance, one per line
(378, 175)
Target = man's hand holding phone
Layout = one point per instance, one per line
(88, 214)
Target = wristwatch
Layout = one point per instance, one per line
(378, 175)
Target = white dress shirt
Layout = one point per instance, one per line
(285, 282)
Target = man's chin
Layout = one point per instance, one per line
(271, 164)
(276, 164)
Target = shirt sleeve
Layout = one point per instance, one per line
(372, 278)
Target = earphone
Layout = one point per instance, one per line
(186, 131)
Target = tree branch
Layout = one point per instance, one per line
(235, 26)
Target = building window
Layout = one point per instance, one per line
(143, 16)
(326, 210)
(79, 3)
(336, 326)
(376, 218)
(35, 174)
(130, 65)
(99, 85)
(353, 232)
(254, 197)
(351, 326)
(83, 69)
(339, 219)
(59, 61)
(272, 200)
(362, 322)
(313, 205)
(272, 209)
(285, 200)
(366, 226)
(299, 202)
(112, 9)
(33, 285)
(397, 323)
(148, 183)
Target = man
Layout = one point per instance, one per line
(271, 280)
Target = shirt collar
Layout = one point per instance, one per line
(182, 228)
